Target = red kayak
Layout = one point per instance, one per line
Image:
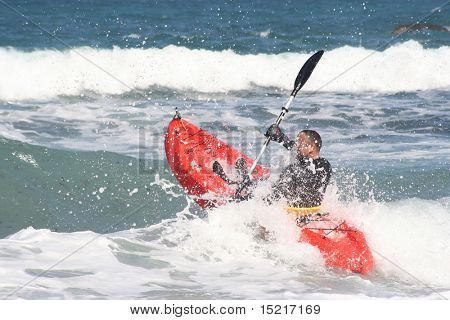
(192, 153)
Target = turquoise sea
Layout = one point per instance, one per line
(87, 89)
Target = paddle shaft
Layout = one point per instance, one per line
(280, 118)
(266, 143)
(302, 77)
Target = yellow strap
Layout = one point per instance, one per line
(303, 211)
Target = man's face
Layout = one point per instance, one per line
(305, 147)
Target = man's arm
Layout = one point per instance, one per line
(327, 177)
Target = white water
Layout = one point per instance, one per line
(44, 74)
(113, 125)
(219, 257)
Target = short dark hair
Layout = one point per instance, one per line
(313, 136)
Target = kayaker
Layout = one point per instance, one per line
(303, 182)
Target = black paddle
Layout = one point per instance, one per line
(302, 77)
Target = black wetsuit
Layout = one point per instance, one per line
(303, 183)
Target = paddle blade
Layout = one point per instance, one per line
(218, 169)
(306, 71)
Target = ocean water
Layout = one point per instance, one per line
(90, 210)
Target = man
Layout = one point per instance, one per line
(303, 182)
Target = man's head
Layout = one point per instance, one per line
(309, 143)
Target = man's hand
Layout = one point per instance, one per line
(274, 133)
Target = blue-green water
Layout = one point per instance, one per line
(87, 89)
(245, 27)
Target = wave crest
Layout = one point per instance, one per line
(44, 74)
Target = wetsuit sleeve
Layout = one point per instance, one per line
(288, 144)
(327, 177)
